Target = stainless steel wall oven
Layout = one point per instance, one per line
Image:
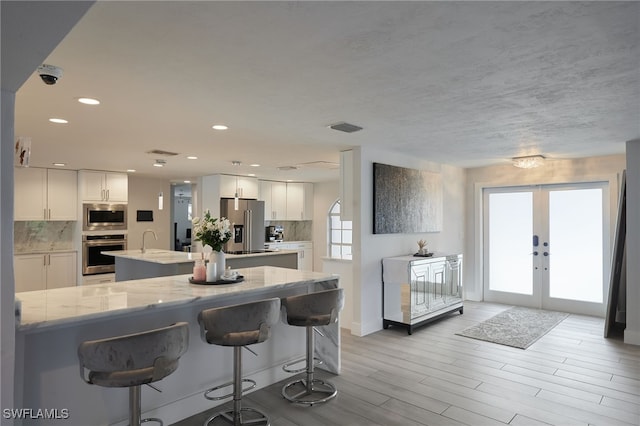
(93, 261)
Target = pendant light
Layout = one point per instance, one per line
(236, 203)
(160, 201)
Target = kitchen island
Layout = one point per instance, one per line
(135, 265)
(54, 322)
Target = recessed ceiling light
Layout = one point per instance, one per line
(59, 164)
(254, 165)
(89, 101)
(131, 170)
(251, 174)
(58, 120)
(187, 181)
(219, 127)
(159, 163)
(192, 157)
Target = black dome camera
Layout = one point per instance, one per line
(49, 73)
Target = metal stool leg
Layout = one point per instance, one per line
(135, 408)
(235, 416)
(315, 391)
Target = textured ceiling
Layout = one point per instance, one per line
(468, 84)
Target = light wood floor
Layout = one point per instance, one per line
(571, 376)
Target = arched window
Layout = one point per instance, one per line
(340, 234)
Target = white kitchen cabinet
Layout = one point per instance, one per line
(304, 249)
(274, 195)
(287, 201)
(305, 255)
(246, 187)
(45, 271)
(299, 201)
(45, 194)
(98, 186)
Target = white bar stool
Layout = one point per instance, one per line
(238, 326)
(311, 310)
(134, 360)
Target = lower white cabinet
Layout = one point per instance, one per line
(45, 271)
(305, 253)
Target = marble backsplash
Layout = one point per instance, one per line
(294, 230)
(40, 236)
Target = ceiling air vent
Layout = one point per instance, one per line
(161, 152)
(345, 127)
(287, 168)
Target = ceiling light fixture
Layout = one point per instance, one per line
(131, 170)
(89, 101)
(159, 163)
(236, 163)
(528, 162)
(160, 200)
(59, 164)
(219, 127)
(58, 120)
(255, 165)
(192, 157)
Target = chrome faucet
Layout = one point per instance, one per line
(143, 249)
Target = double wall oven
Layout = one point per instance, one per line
(103, 229)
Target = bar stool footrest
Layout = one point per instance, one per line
(318, 392)
(287, 367)
(152, 419)
(258, 418)
(218, 398)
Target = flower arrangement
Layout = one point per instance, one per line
(212, 231)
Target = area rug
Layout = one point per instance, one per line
(518, 327)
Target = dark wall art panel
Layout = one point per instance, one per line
(406, 200)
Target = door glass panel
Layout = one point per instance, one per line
(575, 250)
(510, 242)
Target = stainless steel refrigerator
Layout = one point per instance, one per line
(247, 223)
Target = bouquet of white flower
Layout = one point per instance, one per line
(212, 231)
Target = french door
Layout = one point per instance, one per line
(547, 246)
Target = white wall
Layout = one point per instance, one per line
(607, 168)
(369, 249)
(632, 331)
(143, 195)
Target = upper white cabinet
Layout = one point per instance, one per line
(299, 201)
(45, 194)
(45, 271)
(103, 186)
(274, 195)
(244, 186)
(287, 201)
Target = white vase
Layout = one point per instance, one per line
(218, 258)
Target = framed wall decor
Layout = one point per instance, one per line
(406, 200)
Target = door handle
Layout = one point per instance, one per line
(546, 253)
(535, 253)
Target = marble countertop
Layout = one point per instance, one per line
(71, 305)
(169, 257)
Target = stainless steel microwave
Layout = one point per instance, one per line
(104, 217)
